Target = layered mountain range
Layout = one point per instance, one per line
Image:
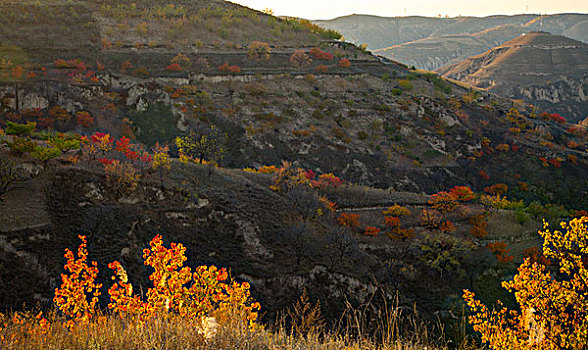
(514, 56)
(429, 43)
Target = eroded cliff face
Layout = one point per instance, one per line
(567, 89)
(566, 96)
(352, 123)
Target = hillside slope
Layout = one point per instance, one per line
(432, 52)
(549, 71)
(276, 90)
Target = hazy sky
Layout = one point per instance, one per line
(327, 9)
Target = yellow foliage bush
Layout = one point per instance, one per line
(397, 210)
(554, 305)
(495, 202)
(78, 294)
(122, 176)
(177, 290)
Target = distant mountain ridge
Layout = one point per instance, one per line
(548, 70)
(429, 43)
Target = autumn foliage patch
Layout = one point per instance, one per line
(553, 306)
(78, 294)
(553, 117)
(350, 220)
(319, 54)
(500, 250)
(344, 63)
(226, 68)
(176, 290)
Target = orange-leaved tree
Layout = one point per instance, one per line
(462, 193)
(178, 291)
(300, 59)
(444, 202)
(554, 304)
(78, 294)
(350, 220)
(259, 51)
(479, 224)
(500, 249)
(392, 220)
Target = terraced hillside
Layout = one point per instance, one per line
(119, 79)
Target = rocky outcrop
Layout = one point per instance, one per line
(567, 89)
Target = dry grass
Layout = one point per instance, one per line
(388, 328)
(465, 85)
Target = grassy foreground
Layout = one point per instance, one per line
(203, 310)
(30, 331)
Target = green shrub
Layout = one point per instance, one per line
(555, 211)
(43, 134)
(63, 144)
(439, 83)
(536, 210)
(548, 212)
(155, 124)
(21, 145)
(20, 129)
(396, 92)
(405, 84)
(445, 254)
(515, 205)
(521, 216)
(45, 154)
(331, 34)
